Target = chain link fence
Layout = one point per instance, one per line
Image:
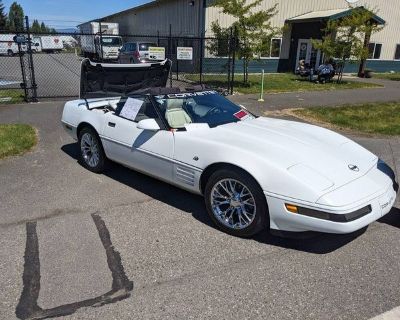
(11, 67)
(53, 60)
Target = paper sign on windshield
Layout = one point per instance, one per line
(131, 108)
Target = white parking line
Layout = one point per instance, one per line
(6, 82)
(393, 314)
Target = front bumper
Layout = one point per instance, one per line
(282, 219)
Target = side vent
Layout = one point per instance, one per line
(185, 175)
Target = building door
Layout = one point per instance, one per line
(306, 52)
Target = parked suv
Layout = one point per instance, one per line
(135, 52)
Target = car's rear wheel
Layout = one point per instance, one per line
(236, 203)
(10, 53)
(92, 155)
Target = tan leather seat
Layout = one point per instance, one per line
(175, 115)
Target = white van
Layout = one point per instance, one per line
(8, 46)
(48, 44)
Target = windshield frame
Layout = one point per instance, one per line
(189, 94)
(105, 44)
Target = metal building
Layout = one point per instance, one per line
(193, 18)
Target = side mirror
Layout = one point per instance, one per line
(148, 124)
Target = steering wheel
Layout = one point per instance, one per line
(211, 111)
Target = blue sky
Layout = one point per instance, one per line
(69, 13)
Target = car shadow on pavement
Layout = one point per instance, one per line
(392, 218)
(317, 243)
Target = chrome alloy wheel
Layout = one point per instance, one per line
(90, 150)
(233, 204)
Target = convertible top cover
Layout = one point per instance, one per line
(101, 80)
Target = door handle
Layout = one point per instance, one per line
(111, 124)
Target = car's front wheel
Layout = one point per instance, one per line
(236, 203)
(92, 155)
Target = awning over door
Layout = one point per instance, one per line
(330, 15)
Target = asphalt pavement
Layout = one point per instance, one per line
(121, 245)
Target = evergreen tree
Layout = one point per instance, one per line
(3, 17)
(43, 27)
(16, 17)
(35, 28)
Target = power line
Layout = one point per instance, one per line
(71, 21)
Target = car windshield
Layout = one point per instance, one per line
(200, 107)
(111, 41)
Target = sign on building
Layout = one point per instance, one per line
(157, 53)
(184, 53)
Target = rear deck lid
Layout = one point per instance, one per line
(100, 80)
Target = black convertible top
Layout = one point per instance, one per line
(102, 80)
(159, 91)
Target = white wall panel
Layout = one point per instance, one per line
(389, 10)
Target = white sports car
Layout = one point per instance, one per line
(254, 172)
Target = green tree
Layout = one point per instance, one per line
(347, 39)
(16, 17)
(43, 28)
(35, 28)
(253, 28)
(3, 17)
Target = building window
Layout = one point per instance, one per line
(397, 53)
(272, 49)
(374, 50)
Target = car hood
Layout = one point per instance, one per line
(314, 155)
(101, 80)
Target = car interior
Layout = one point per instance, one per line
(175, 115)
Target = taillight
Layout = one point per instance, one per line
(136, 54)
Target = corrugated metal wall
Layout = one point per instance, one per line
(183, 17)
(389, 10)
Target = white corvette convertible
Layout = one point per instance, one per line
(254, 172)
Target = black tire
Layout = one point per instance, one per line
(10, 53)
(131, 61)
(100, 165)
(261, 219)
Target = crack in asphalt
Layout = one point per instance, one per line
(28, 308)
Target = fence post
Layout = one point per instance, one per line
(229, 59)
(202, 39)
(101, 41)
(235, 39)
(170, 53)
(33, 85)
(23, 73)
